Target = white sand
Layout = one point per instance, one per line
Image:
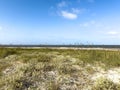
(112, 74)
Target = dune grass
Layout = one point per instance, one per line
(53, 69)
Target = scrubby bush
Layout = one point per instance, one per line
(4, 52)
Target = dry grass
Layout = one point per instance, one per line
(55, 69)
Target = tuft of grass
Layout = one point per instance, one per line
(44, 58)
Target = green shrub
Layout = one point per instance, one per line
(6, 52)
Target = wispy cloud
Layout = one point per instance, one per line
(112, 32)
(89, 23)
(66, 9)
(72, 13)
(92, 23)
(78, 11)
(68, 15)
(62, 4)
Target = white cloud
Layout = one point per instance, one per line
(65, 10)
(112, 32)
(62, 4)
(68, 15)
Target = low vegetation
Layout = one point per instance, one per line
(105, 84)
(57, 69)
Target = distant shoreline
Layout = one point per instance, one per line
(75, 47)
(68, 46)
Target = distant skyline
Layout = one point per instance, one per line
(60, 22)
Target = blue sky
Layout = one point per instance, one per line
(59, 21)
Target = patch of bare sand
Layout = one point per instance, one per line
(112, 74)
